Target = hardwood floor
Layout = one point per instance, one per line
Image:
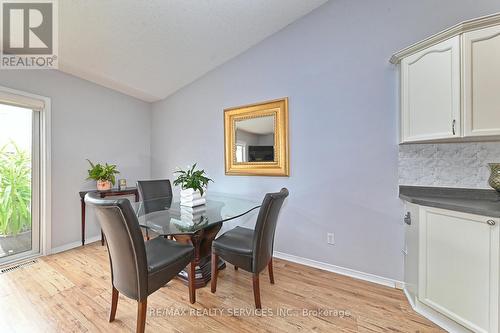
(71, 292)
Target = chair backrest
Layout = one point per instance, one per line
(265, 227)
(154, 189)
(126, 249)
(156, 194)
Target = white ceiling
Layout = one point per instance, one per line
(151, 48)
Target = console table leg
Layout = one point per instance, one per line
(83, 221)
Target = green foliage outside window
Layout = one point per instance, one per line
(15, 190)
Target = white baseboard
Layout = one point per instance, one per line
(72, 245)
(434, 316)
(409, 298)
(399, 285)
(439, 319)
(341, 270)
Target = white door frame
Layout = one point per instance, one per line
(44, 164)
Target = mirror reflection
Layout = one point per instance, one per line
(255, 140)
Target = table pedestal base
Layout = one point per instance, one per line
(203, 273)
(202, 243)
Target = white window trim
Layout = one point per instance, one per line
(45, 160)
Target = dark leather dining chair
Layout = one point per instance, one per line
(156, 195)
(138, 268)
(251, 250)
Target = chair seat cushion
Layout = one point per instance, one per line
(236, 246)
(165, 259)
(161, 252)
(239, 240)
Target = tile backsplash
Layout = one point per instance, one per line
(447, 164)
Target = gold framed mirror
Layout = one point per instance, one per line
(256, 139)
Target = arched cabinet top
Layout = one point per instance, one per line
(456, 30)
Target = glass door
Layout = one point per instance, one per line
(19, 183)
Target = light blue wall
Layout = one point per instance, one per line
(88, 121)
(333, 66)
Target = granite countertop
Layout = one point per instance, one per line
(473, 201)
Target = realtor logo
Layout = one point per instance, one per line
(29, 34)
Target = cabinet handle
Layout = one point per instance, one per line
(453, 126)
(407, 218)
(491, 222)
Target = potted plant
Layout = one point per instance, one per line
(103, 174)
(193, 186)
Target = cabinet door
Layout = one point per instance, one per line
(411, 251)
(430, 93)
(458, 267)
(482, 82)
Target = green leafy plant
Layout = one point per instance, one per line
(104, 172)
(192, 178)
(15, 190)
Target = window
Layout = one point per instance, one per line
(240, 153)
(24, 175)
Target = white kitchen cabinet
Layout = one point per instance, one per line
(481, 73)
(430, 92)
(449, 84)
(410, 252)
(459, 267)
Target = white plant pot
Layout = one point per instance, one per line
(192, 198)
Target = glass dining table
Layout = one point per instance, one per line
(193, 225)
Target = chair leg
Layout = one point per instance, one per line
(147, 234)
(215, 261)
(235, 268)
(256, 290)
(114, 304)
(142, 306)
(191, 277)
(271, 273)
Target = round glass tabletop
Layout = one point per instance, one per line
(166, 216)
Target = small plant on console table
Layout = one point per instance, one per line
(104, 174)
(193, 185)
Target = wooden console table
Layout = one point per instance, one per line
(103, 194)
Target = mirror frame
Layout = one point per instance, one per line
(281, 165)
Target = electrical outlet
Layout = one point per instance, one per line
(330, 238)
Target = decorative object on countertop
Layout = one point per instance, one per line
(122, 184)
(494, 180)
(103, 174)
(193, 186)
